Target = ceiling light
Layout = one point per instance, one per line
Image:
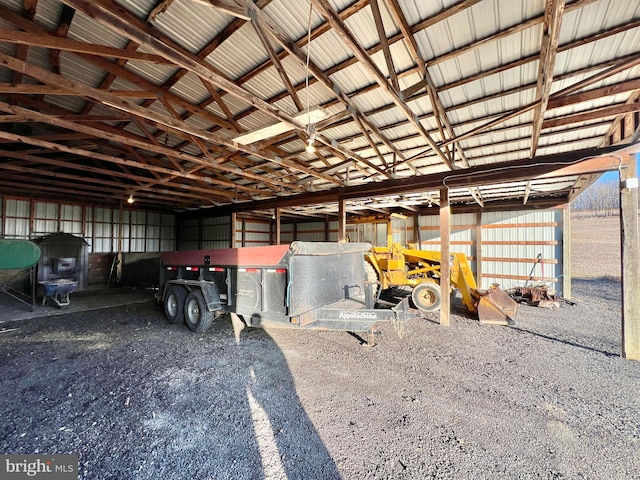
(311, 138)
(310, 148)
(307, 117)
(130, 200)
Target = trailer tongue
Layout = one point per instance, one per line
(320, 286)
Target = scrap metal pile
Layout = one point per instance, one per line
(539, 296)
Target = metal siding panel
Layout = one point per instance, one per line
(311, 232)
(72, 213)
(18, 208)
(257, 233)
(286, 233)
(515, 247)
(75, 228)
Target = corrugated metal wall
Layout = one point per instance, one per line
(215, 232)
(188, 234)
(253, 232)
(513, 247)
(311, 232)
(462, 239)
(520, 245)
(142, 231)
(16, 218)
(510, 246)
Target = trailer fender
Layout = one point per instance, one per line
(211, 296)
(209, 292)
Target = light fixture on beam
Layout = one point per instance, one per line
(311, 138)
(130, 200)
(308, 117)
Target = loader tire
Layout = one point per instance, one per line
(427, 297)
(371, 276)
(174, 304)
(196, 315)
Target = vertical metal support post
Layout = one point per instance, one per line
(342, 221)
(445, 270)
(630, 262)
(566, 251)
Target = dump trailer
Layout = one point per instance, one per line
(396, 265)
(305, 285)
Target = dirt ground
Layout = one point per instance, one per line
(595, 243)
(138, 398)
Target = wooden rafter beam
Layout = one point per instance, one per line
(382, 36)
(293, 48)
(270, 27)
(341, 29)
(164, 121)
(550, 36)
(624, 127)
(28, 13)
(592, 114)
(159, 8)
(436, 104)
(114, 70)
(631, 62)
(440, 112)
(64, 23)
(27, 89)
(603, 159)
(128, 139)
(119, 20)
(594, 94)
(502, 34)
(222, 104)
(52, 168)
(218, 40)
(54, 42)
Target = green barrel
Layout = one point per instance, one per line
(15, 254)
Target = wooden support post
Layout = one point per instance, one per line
(234, 219)
(566, 251)
(478, 247)
(630, 264)
(445, 270)
(120, 243)
(342, 221)
(278, 229)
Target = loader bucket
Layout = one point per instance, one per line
(497, 308)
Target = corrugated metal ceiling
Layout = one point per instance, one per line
(480, 105)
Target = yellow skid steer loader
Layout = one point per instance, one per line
(395, 265)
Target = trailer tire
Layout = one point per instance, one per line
(427, 296)
(196, 315)
(174, 304)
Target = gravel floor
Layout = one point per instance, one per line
(139, 398)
